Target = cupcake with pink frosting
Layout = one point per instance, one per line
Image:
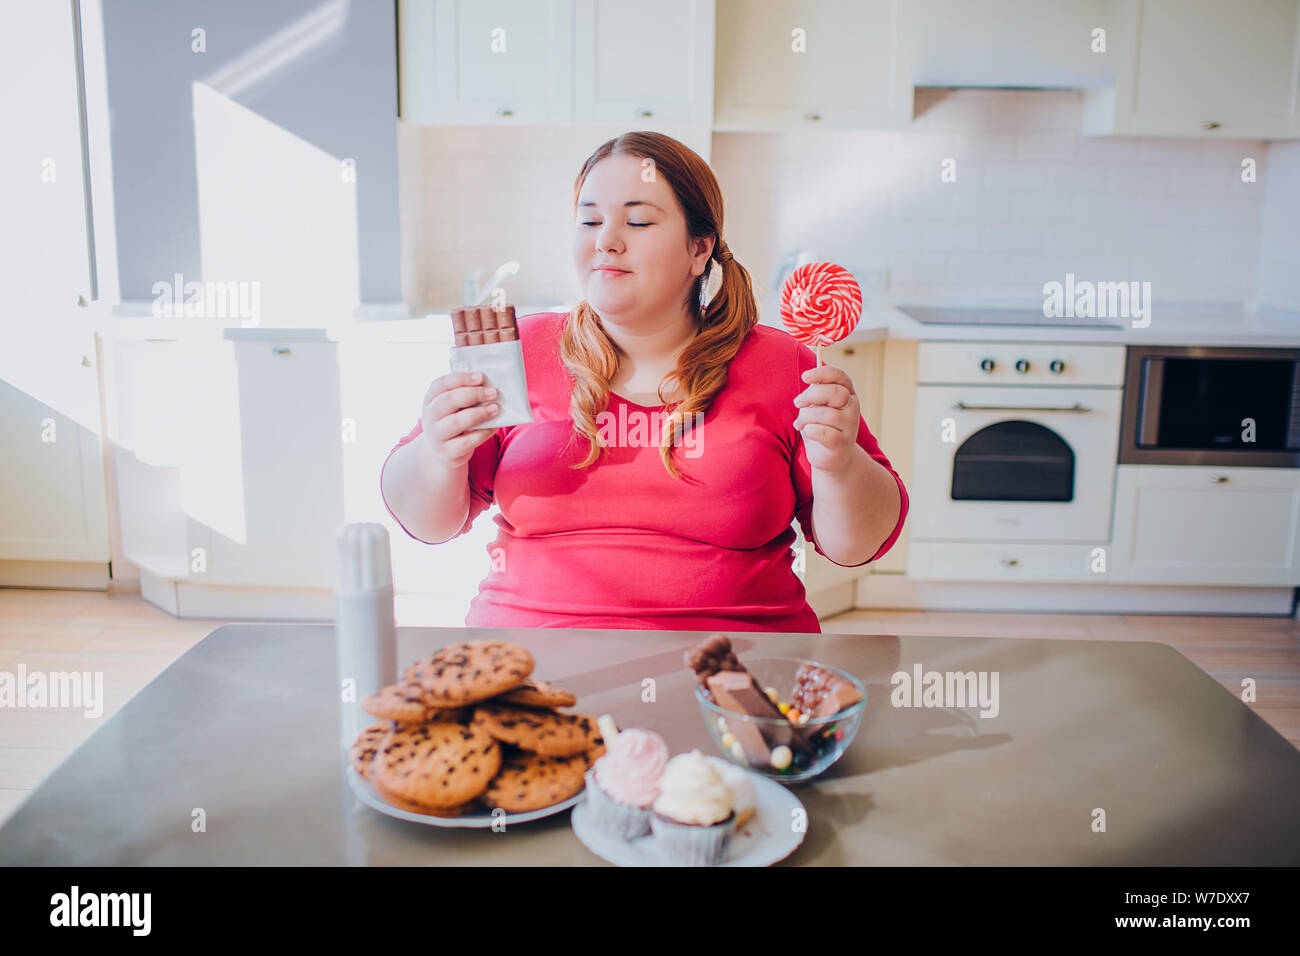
(623, 785)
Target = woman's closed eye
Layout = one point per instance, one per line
(630, 224)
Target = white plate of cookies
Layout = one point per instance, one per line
(468, 738)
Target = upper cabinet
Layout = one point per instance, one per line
(486, 62)
(1147, 67)
(1201, 68)
(529, 62)
(786, 63)
(643, 64)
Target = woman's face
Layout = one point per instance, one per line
(646, 241)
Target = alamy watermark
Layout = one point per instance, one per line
(922, 688)
(208, 300)
(1086, 299)
(632, 428)
(82, 690)
(75, 908)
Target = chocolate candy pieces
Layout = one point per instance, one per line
(731, 687)
(714, 655)
(484, 325)
(821, 693)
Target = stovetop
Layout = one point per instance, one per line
(1034, 317)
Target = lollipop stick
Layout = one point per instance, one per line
(819, 355)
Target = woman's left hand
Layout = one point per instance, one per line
(828, 418)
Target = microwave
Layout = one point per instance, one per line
(1193, 405)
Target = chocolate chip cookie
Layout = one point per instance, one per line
(438, 766)
(473, 671)
(367, 744)
(529, 781)
(538, 731)
(402, 704)
(539, 693)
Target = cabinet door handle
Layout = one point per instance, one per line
(505, 111)
(279, 350)
(1076, 407)
(1218, 479)
(1211, 125)
(1010, 562)
(812, 117)
(644, 113)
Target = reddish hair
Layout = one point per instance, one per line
(592, 357)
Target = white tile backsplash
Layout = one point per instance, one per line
(1032, 200)
(1279, 247)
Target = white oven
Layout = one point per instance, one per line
(1015, 443)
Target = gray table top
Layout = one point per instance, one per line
(246, 726)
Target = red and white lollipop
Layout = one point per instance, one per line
(820, 304)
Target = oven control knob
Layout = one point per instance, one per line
(987, 365)
(1057, 366)
(1022, 366)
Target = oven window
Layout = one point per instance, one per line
(1204, 400)
(1013, 461)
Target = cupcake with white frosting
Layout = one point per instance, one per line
(743, 792)
(694, 817)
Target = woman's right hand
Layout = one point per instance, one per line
(452, 407)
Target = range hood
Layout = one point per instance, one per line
(1010, 44)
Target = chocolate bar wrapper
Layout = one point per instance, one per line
(502, 365)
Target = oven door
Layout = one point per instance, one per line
(1014, 464)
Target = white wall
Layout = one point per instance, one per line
(1033, 200)
(1279, 259)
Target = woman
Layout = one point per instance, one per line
(675, 439)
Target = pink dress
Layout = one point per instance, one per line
(623, 544)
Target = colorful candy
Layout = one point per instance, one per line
(821, 303)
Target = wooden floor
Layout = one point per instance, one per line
(131, 642)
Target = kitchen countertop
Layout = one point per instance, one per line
(1189, 324)
(245, 725)
(1173, 324)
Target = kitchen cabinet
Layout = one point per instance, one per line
(1194, 525)
(803, 63)
(891, 422)
(291, 466)
(1201, 68)
(493, 62)
(883, 375)
(444, 576)
(54, 519)
(643, 67)
(52, 485)
(228, 457)
(1007, 562)
(486, 62)
(238, 459)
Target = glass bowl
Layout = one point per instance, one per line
(829, 737)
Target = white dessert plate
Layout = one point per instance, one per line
(368, 795)
(768, 836)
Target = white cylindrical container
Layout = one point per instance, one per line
(365, 630)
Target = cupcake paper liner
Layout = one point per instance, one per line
(686, 844)
(610, 816)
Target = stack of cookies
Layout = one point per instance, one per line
(468, 728)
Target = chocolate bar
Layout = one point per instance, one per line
(484, 325)
(822, 693)
(739, 691)
(733, 690)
